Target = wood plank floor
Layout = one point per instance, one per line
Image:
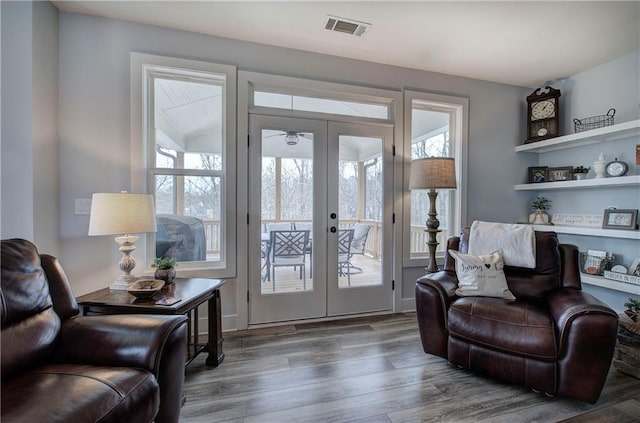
(369, 370)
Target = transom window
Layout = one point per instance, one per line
(320, 105)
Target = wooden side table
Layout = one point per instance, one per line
(627, 354)
(192, 291)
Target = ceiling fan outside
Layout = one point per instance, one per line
(291, 137)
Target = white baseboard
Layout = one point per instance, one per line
(408, 304)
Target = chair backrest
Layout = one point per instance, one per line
(303, 226)
(288, 244)
(345, 238)
(556, 266)
(278, 226)
(360, 234)
(30, 324)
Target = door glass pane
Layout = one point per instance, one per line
(360, 202)
(287, 211)
(429, 138)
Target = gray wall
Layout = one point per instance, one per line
(614, 84)
(30, 163)
(94, 121)
(94, 126)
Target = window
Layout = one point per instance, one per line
(435, 128)
(321, 105)
(188, 116)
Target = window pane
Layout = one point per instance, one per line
(188, 212)
(320, 105)
(268, 188)
(348, 186)
(188, 124)
(429, 138)
(373, 190)
(297, 189)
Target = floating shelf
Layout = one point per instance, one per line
(623, 181)
(588, 231)
(629, 288)
(607, 133)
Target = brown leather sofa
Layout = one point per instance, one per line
(61, 367)
(553, 338)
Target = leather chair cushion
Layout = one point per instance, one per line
(532, 283)
(514, 327)
(62, 393)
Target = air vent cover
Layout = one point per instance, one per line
(346, 26)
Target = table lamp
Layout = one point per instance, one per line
(432, 173)
(122, 213)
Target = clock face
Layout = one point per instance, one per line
(543, 109)
(616, 168)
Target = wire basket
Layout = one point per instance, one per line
(594, 122)
(593, 265)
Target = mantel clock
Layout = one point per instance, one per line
(542, 114)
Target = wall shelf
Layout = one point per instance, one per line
(623, 181)
(603, 135)
(607, 133)
(589, 231)
(610, 284)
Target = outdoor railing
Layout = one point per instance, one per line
(373, 247)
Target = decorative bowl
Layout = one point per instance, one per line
(145, 288)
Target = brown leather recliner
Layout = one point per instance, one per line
(61, 367)
(553, 338)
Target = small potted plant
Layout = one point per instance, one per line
(580, 172)
(633, 308)
(165, 269)
(540, 206)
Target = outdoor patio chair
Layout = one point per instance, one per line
(278, 226)
(345, 238)
(287, 249)
(360, 235)
(306, 226)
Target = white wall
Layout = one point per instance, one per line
(29, 161)
(94, 122)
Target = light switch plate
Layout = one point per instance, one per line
(83, 206)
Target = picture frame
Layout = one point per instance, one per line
(634, 270)
(620, 219)
(564, 173)
(538, 174)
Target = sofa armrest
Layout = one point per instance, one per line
(434, 294)
(586, 333)
(152, 342)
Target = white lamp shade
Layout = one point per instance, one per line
(433, 173)
(121, 213)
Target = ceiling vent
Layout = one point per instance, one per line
(346, 26)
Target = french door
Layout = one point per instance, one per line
(320, 209)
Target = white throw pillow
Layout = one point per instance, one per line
(481, 276)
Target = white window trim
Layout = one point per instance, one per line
(458, 108)
(140, 65)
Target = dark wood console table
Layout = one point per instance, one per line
(192, 292)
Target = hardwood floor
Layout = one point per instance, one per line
(369, 370)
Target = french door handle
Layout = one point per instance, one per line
(333, 215)
(333, 229)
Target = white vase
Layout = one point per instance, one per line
(599, 165)
(539, 217)
(579, 176)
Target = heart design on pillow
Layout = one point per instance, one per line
(481, 276)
